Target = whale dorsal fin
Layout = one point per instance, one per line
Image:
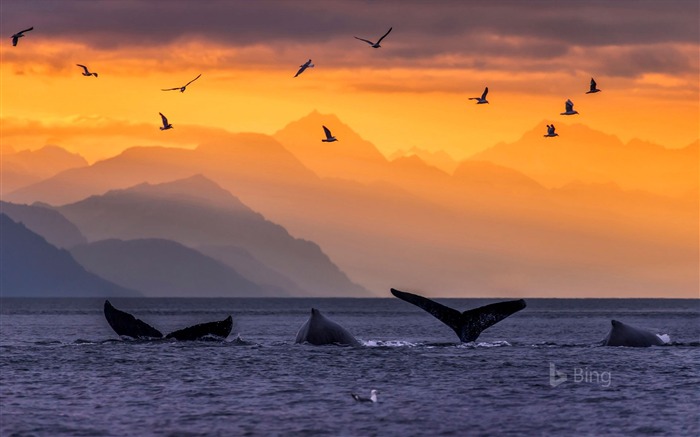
(126, 324)
(469, 324)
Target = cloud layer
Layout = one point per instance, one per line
(621, 38)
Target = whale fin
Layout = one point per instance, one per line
(128, 325)
(219, 329)
(469, 324)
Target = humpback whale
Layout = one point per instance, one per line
(320, 330)
(625, 335)
(468, 324)
(124, 324)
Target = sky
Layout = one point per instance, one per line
(411, 92)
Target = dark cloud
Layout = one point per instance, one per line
(528, 30)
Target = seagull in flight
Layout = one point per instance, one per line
(329, 138)
(569, 108)
(19, 35)
(372, 398)
(182, 88)
(550, 131)
(482, 99)
(86, 72)
(166, 125)
(376, 44)
(593, 88)
(304, 66)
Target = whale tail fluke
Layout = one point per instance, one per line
(124, 324)
(219, 329)
(128, 325)
(468, 325)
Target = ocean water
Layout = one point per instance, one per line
(63, 371)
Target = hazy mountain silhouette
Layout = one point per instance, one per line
(439, 159)
(26, 167)
(583, 154)
(350, 157)
(31, 267)
(253, 163)
(487, 229)
(164, 268)
(246, 264)
(15, 177)
(182, 211)
(46, 222)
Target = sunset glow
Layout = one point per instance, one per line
(622, 172)
(410, 93)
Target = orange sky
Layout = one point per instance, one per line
(411, 92)
(580, 215)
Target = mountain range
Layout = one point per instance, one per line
(29, 166)
(164, 268)
(31, 267)
(491, 226)
(45, 221)
(198, 213)
(581, 154)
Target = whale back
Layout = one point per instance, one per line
(468, 325)
(626, 335)
(320, 330)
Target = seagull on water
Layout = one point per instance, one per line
(372, 398)
(304, 66)
(19, 35)
(593, 88)
(329, 138)
(482, 99)
(166, 125)
(182, 88)
(550, 131)
(569, 108)
(375, 44)
(86, 72)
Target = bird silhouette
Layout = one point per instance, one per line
(372, 398)
(19, 35)
(166, 125)
(303, 67)
(482, 99)
(182, 88)
(329, 138)
(593, 88)
(569, 106)
(86, 72)
(375, 44)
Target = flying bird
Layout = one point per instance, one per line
(569, 108)
(182, 88)
(593, 88)
(166, 125)
(304, 66)
(376, 44)
(372, 398)
(329, 138)
(86, 72)
(19, 35)
(482, 99)
(550, 131)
